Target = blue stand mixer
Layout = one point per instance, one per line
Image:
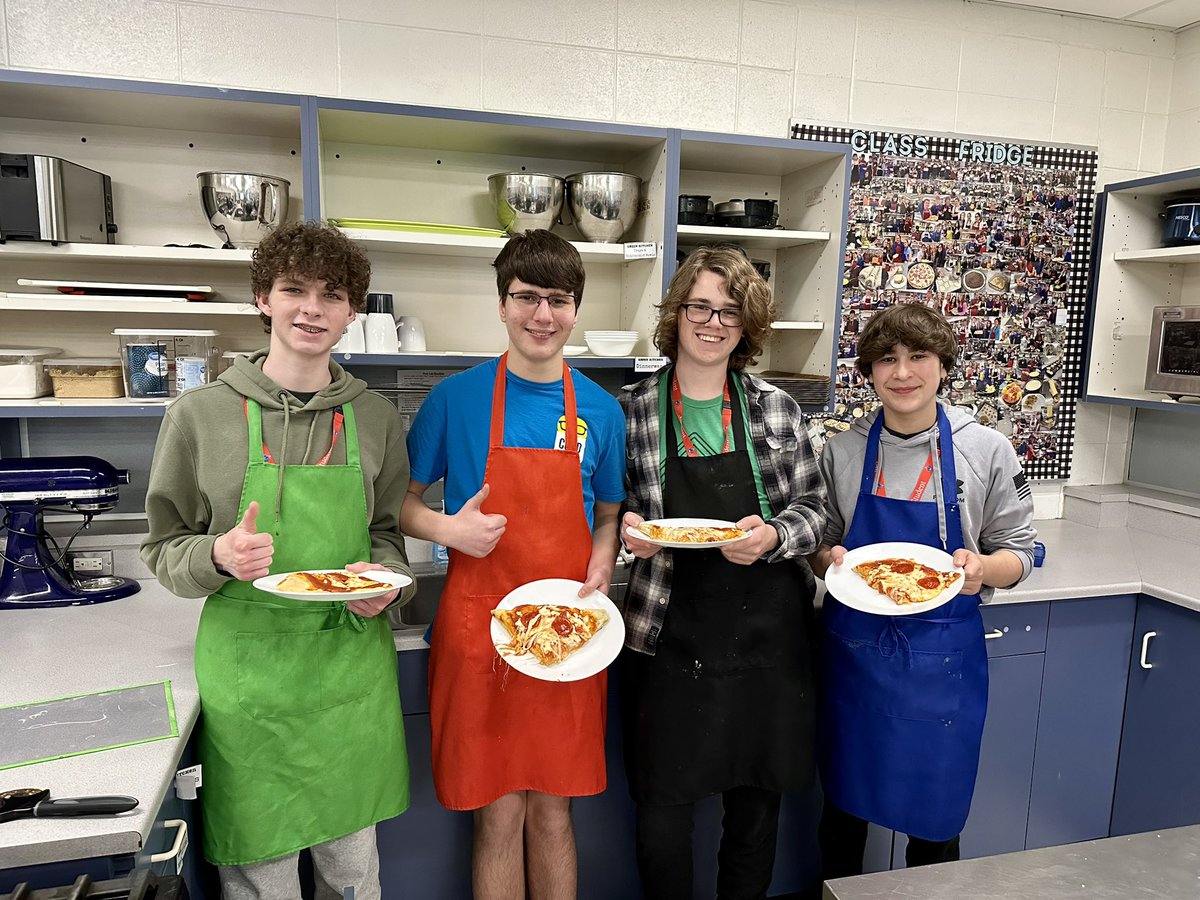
(33, 574)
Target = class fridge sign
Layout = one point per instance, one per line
(994, 234)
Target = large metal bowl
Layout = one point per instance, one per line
(524, 200)
(603, 204)
(243, 208)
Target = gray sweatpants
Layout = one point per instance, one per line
(350, 861)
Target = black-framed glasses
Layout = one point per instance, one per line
(556, 302)
(699, 314)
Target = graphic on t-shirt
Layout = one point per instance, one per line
(560, 434)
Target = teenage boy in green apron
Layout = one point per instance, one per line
(287, 462)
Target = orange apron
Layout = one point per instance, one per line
(495, 730)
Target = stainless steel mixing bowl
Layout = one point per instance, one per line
(603, 204)
(242, 207)
(525, 200)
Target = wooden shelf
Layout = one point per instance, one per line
(119, 305)
(464, 245)
(1162, 255)
(122, 252)
(750, 238)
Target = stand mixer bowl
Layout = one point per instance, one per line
(243, 208)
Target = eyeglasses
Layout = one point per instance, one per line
(531, 301)
(699, 314)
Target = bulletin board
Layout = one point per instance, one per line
(996, 235)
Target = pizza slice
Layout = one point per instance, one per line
(549, 631)
(693, 534)
(329, 583)
(905, 580)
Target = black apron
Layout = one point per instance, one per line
(728, 699)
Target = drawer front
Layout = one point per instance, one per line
(1015, 628)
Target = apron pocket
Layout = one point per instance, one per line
(475, 633)
(894, 681)
(282, 674)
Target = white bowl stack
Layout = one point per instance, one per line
(611, 343)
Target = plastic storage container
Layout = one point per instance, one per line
(23, 372)
(158, 363)
(93, 378)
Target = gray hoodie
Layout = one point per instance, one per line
(995, 501)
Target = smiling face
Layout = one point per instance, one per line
(907, 382)
(307, 316)
(710, 343)
(536, 335)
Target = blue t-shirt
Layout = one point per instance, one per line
(449, 436)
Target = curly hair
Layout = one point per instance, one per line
(742, 282)
(312, 250)
(541, 258)
(914, 325)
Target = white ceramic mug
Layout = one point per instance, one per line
(352, 339)
(412, 334)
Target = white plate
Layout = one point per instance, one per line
(850, 589)
(393, 579)
(686, 523)
(590, 659)
(574, 349)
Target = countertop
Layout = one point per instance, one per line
(1154, 864)
(148, 637)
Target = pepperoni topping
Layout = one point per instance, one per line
(563, 626)
(901, 567)
(930, 582)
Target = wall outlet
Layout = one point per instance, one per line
(90, 563)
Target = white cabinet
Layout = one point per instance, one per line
(1134, 274)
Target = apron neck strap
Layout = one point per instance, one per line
(944, 461)
(731, 406)
(343, 419)
(496, 432)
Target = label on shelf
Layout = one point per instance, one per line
(641, 250)
(649, 363)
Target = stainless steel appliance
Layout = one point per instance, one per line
(32, 567)
(243, 207)
(44, 198)
(1173, 366)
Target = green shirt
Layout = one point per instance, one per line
(703, 421)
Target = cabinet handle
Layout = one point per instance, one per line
(1145, 647)
(180, 827)
(993, 634)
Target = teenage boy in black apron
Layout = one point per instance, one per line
(717, 679)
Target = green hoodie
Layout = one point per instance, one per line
(200, 464)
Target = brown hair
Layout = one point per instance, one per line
(315, 251)
(541, 258)
(743, 284)
(914, 325)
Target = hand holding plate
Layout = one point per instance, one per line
(972, 567)
(371, 606)
(635, 545)
(763, 539)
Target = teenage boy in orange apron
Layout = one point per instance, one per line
(532, 455)
(287, 462)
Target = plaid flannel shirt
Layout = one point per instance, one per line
(790, 476)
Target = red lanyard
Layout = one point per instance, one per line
(338, 420)
(726, 416)
(918, 490)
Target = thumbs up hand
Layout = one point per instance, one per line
(242, 551)
(473, 531)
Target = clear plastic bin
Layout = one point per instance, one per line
(92, 378)
(23, 372)
(158, 363)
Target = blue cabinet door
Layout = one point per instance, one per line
(1079, 728)
(1158, 781)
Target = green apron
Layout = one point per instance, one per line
(301, 733)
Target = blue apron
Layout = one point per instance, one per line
(904, 696)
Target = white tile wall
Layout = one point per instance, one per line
(699, 29)
(409, 65)
(768, 34)
(573, 82)
(92, 37)
(584, 23)
(225, 46)
(721, 65)
(761, 94)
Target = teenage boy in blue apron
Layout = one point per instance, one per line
(287, 462)
(904, 697)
